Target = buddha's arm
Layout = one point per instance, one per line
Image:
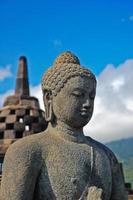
(118, 188)
(21, 169)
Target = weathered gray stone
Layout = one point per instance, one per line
(61, 163)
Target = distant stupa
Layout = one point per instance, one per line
(21, 114)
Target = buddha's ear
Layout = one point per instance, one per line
(47, 98)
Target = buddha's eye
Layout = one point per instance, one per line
(77, 93)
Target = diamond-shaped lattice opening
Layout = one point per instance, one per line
(1, 164)
(12, 112)
(20, 119)
(27, 112)
(27, 127)
(1, 134)
(9, 126)
(2, 119)
(18, 134)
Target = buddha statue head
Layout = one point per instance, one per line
(68, 92)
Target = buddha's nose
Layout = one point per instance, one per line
(86, 104)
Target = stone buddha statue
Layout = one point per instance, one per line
(62, 163)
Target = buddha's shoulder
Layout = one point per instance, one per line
(29, 145)
(102, 148)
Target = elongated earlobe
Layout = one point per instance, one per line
(48, 105)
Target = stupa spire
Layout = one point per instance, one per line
(22, 83)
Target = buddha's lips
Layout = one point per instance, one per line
(85, 112)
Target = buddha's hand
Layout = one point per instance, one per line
(92, 193)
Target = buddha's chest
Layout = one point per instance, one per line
(68, 169)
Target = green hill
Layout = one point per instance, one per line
(123, 149)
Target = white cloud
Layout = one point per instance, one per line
(129, 104)
(37, 92)
(117, 83)
(113, 114)
(5, 72)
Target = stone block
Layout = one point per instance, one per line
(11, 100)
(4, 113)
(9, 134)
(2, 126)
(20, 112)
(11, 119)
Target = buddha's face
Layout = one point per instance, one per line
(73, 105)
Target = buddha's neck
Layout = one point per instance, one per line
(67, 132)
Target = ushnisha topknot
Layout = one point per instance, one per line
(66, 65)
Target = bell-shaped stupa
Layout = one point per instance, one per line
(20, 115)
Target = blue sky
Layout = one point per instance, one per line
(99, 32)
